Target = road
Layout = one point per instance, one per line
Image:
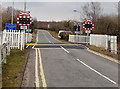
(60, 64)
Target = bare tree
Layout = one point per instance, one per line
(0, 17)
(92, 9)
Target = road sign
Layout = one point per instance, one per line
(88, 31)
(88, 24)
(10, 26)
(24, 13)
(23, 27)
(78, 32)
(28, 30)
(24, 20)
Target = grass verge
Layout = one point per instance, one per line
(13, 68)
(102, 51)
(34, 36)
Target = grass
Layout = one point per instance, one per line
(103, 51)
(34, 35)
(15, 64)
(13, 68)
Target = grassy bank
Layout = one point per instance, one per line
(13, 68)
(103, 51)
(34, 35)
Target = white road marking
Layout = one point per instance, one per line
(97, 72)
(36, 71)
(27, 46)
(65, 49)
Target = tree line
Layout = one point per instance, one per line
(104, 24)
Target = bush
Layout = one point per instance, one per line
(65, 35)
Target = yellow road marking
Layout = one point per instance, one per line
(36, 71)
(31, 44)
(42, 72)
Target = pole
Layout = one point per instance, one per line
(25, 5)
(12, 12)
(1, 17)
(87, 37)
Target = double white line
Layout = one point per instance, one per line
(39, 67)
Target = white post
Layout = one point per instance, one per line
(12, 38)
(19, 39)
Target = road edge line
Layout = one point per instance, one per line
(36, 71)
(104, 56)
(42, 72)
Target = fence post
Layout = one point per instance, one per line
(8, 48)
(21, 39)
(19, 35)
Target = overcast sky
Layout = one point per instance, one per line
(57, 11)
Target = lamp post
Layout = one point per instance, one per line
(77, 24)
(12, 12)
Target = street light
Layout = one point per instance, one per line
(79, 13)
(12, 12)
(76, 27)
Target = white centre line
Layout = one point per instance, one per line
(65, 49)
(96, 71)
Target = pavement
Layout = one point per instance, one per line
(56, 64)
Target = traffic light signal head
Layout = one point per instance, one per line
(24, 20)
(88, 25)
